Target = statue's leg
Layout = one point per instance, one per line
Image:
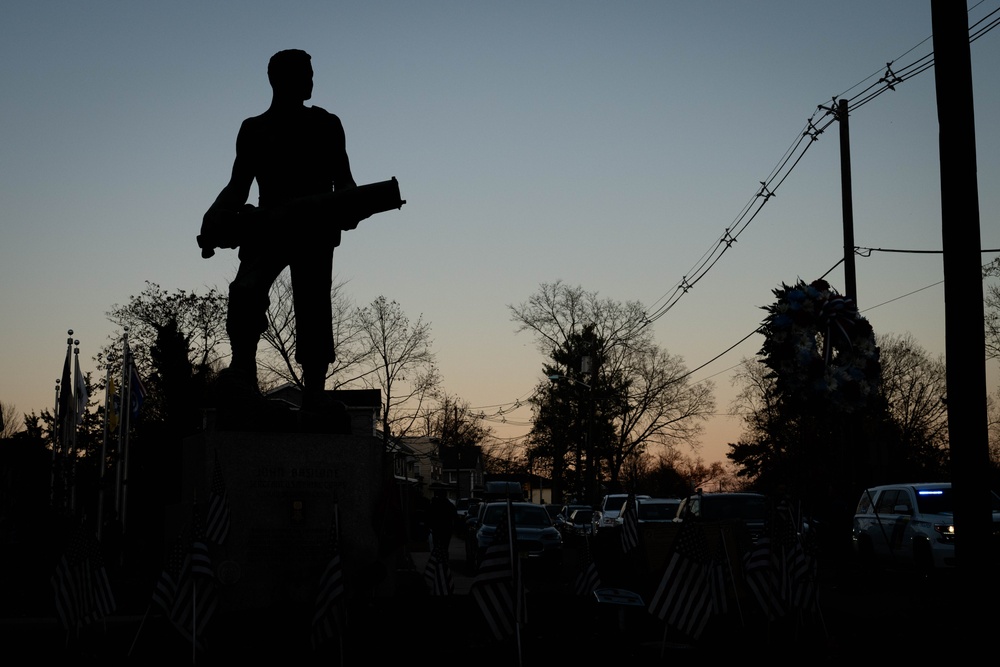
(312, 282)
(246, 318)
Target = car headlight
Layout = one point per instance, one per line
(945, 530)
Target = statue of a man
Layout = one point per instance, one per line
(293, 151)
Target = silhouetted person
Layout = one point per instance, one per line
(441, 519)
(292, 151)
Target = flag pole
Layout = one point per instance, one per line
(732, 576)
(127, 418)
(194, 620)
(123, 421)
(194, 580)
(78, 384)
(515, 579)
(104, 450)
(63, 420)
(336, 534)
(55, 447)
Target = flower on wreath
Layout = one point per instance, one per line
(818, 346)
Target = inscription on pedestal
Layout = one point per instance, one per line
(284, 491)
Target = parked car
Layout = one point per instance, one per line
(493, 491)
(553, 511)
(535, 536)
(611, 508)
(580, 522)
(561, 519)
(909, 525)
(471, 526)
(657, 510)
(748, 508)
(471, 515)
(462, 511)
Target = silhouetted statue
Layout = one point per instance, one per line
(298, 156)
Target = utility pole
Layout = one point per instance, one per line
(965, 340)
(847, 200)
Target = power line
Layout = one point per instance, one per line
(815, 126)
(888, 79)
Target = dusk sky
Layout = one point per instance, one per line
(608, 145)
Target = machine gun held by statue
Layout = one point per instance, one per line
(344, 209)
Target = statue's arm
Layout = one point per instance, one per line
(237, 190)
(217, 230)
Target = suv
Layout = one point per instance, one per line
(534, 535)
(748, 508)
(908, 524)
(609, 513)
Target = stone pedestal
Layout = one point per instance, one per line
(284, 491)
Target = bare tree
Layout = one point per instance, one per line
(504, 456)
(993, 417)
(401, 364)
(991, 298)
(452, 422)
(200, 318)
(638, 386)
(277, 359)
(659, 406)
(915, 388)
(10, 421)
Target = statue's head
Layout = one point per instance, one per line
(290, 73)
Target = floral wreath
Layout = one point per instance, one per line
(817, 345)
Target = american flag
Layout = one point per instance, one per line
(685, 596)
(66, 401)
(136, 391)
(630, 524)
(80, 391)
(327, 614)
(437, 573)
(218, 506)
(795, 565)
(186, 587)
(493, 587)
(762, 578)
(80, 582)
(588, 579)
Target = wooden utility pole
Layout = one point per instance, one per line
(847, 200)
(965, 340)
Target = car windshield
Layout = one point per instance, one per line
(714, 508)
(935, 501)
(583, 516)
(615, 504)
(524, 515)
(657, 511)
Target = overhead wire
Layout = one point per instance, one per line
(888, 81)
(814, 128)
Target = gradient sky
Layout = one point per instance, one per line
(604, 144)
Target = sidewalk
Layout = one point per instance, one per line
(461, 573)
